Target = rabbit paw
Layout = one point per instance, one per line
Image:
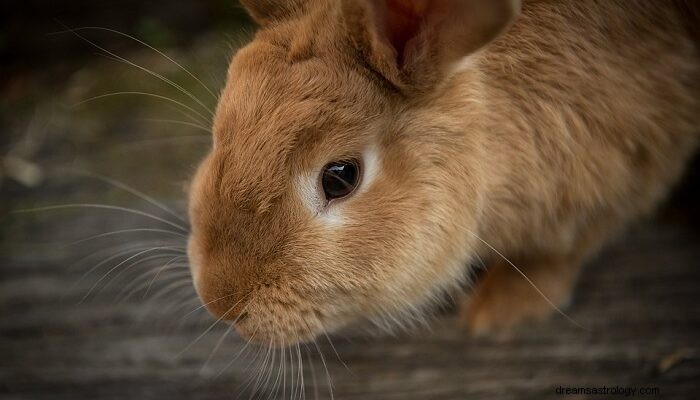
(505, 300)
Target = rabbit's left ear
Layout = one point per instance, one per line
(268, 11)
(416, 43)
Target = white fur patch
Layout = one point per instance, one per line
(461, 65)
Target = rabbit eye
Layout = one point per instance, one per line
(340, 178)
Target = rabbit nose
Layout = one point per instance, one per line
(224, 300)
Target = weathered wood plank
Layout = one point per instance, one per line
(638, 301)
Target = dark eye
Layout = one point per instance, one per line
(340, 178)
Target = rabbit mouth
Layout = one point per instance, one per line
(268, 320)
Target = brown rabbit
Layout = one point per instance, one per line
(366, 152)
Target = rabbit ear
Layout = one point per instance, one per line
(420, 41)
(267, 11)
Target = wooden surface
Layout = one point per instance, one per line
(638, 301)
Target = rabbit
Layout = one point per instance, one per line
(366, 153)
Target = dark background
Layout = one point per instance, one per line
(70, 332)
(26, 43)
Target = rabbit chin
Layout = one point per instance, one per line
(279, 324)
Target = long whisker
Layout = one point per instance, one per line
(206, 304)
(180, 276)
(122, 231)
(283, 366)
(139, 247)
(146, 70)
(177, 140)
(103, 207)
(203, 119)
(302, 390)
(271, 369)
(163, 268)
(150, 47)
(292, 377)
(140, 282)
(119, 265)
(261, 371)
(335, 351)
(325, 367)
(211, 326)
(295, 390)
(313, 370)
(182, 283)
(272, 391)
(129, 189)
(178, 122)
(519, 271)
(247, 344)
(191, 117)
(228, 330)
(120, 247)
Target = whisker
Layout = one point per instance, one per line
(146, 70)
(190, 116)
(247, 344)
(138, 247)
(184, 106)
(129, 189)
(181, 289)
(283, 367)
(177, 140)
(182, 305)
(178, 122)
(140, 282)
(163, 268)
(148, 46)
(335, 351)
(206, 304)
(313, 370)
(134, 282)
(328, 375)
(211, 326)
(259, 372)
(272, 391)
(103, 207)
(228, 330)
(270, 370)
(295, 390)
(288, 368)
(181, 276)
(300, 360)
(281, 371)
(167, 289)
(180, 286)
(148, 313)
(519, 271)
(122, 231)
(119, 265)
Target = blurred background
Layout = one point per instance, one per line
(105, 109)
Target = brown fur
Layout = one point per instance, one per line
(550, 139)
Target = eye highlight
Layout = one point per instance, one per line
(340, 178)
